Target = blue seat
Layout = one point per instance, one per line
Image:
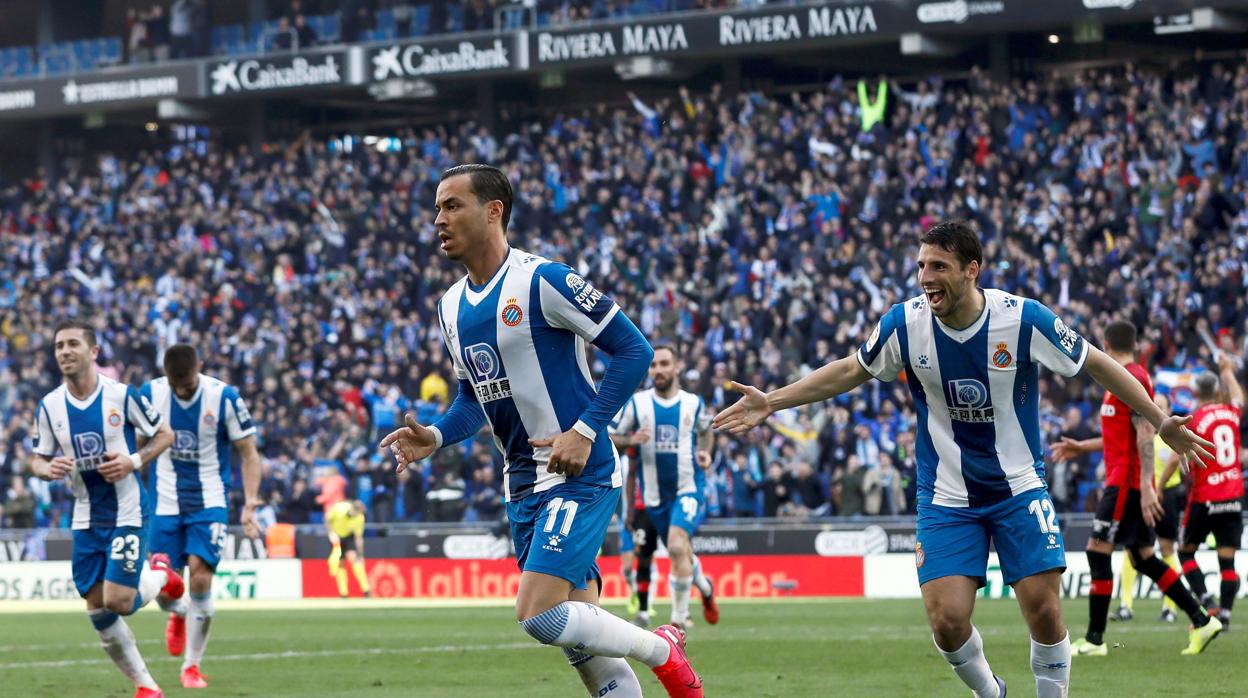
(420, 20)
(332, 26)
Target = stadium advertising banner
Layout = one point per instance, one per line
(235, 579)
(814, 25)
(471, 55)
(266, 74)
(100, 90)
(893, 576)
(736, 576)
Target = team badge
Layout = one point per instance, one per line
(919, 556)
(574, 281)
(512, 314)
(114, 418)
(210, 418)
(1001, 358)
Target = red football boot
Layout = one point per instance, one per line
(676, 675)
(175, 634)
(191, 678)
(710, 609)
(173, 587)
(148, 693)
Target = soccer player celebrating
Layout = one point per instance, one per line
(1129, 507)
(105, 432)
(1215, 504)
(673, 459)
(346, 538)
(516, 328)
(192, 479)
(971, 356)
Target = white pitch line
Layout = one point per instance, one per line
(296, 654)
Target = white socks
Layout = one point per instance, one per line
(680, 599)
(969, 664)
(118, 643)
(605, 675)
(591, 630)
(198, 623)
(150, 583)
(177, 606)
(1051, 666)
(699, 580)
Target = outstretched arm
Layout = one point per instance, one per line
(755, 406)
(1114, 378)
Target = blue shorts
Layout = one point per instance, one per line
(687, 512)
(112, 554)
(953, 541)
(559, 531)
(626, 536)
(201, 534)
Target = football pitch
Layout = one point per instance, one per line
(768, 648)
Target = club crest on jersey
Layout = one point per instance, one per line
(114, 418)
(210, 418)
(968, 400)
(512, 314)
(1001, 358)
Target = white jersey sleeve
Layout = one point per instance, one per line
(572, 303)
(141, 413)
(238, 422)
(45, 439)
(1054, 345)
(881, 355)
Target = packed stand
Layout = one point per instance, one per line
(763, 234)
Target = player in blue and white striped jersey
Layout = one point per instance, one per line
(970, 358)
(191, 481)
(671, 429)
(516, 328)
(104, 432)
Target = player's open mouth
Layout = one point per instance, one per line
(444, 237)
(935, 297)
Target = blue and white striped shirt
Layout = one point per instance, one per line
(976, 392)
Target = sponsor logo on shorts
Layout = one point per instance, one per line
(919, 556)
(552, 544)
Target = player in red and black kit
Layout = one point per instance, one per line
(637, 526)
(1215, 503)
(1127, 512)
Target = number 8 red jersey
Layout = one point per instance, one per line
(1220, 480)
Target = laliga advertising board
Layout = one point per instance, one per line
(893, 577)
(235, 579)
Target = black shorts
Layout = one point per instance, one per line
(1119, 520)
(1225, 520)
(1173, 501)
(645, 536)
(348, 545)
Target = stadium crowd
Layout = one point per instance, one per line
(762, 233)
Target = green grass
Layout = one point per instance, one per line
(798, 648)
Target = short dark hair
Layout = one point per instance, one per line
(958, 237)
(1120, 336)
(181, 360)
(1206, 386)
(488, 183)
(83, 325)
(656, 346)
